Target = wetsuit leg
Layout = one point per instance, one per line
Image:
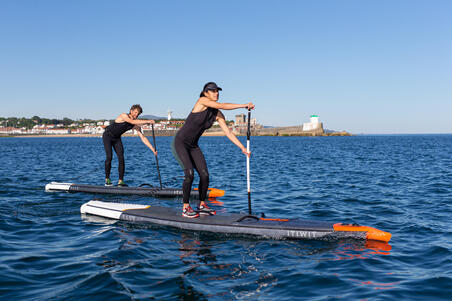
(119, 150)
(182, 155)
(201, 167)
(107, 139)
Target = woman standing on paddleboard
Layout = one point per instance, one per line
(112, 138)
(185, 144)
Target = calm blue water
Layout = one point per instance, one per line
(400, 184)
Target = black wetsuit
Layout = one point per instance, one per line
(187, 152)
(112, 138)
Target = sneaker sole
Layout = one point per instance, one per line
(194, 216)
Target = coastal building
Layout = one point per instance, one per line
(163, 127)
(241, 124)
(78, 131)
(99, 129)
(314, 124)
(171, 124)
(157, 126)
(106, 123)
(11, 130)
(56, 131)
(240, 119)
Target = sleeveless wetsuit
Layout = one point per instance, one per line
(112, 138)
(187, 152)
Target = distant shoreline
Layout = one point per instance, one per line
(55, 136)
(206, 134)
(210, 134)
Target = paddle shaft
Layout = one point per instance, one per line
(248, 134)
(156, 158)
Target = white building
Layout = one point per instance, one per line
(157, 126)
(98, 130)
(313, 124)
(11, 130)
(57, 131)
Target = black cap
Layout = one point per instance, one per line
(211, 86)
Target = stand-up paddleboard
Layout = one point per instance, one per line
(242, 224)
(234, 223)
(146, 191)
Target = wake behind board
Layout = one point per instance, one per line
(233, 223)
(129, 190)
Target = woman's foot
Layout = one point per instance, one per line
(108, 182)
(122, 184)
(204, 209)
(189, 212)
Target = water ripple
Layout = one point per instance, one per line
(400, 184)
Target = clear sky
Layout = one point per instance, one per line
(363, 66)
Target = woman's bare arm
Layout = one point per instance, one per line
(222, 122)
(204, 101)
(144, 139)
(125, 118)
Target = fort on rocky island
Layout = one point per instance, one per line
(312, 128)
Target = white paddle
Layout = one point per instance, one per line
(248, 134)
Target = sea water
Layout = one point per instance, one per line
(397, 183)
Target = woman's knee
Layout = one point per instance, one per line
(204, 175)
(189, 175)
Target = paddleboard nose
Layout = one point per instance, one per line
(371, 233)
(215, 193)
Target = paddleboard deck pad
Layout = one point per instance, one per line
(242, 224)
(129, 190)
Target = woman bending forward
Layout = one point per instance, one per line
(185, 144)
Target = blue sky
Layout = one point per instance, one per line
(362, 66)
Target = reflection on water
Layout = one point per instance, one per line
(216, 202)
(360, 249)
(198, 255)
(97, 219)
(377, 285)
(205, 266)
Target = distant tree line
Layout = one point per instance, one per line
(29, 123)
